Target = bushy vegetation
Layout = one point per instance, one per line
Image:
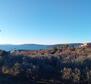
(59, 66)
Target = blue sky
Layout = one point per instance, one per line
(45, 21)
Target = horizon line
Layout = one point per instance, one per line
(42, 43)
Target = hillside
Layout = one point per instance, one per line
(60, 64)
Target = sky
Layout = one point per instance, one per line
(45, 21)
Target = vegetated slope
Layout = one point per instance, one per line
(59, 65)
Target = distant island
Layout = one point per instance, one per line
(9, 47)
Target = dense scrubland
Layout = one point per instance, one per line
(56, 65)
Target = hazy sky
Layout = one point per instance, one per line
(45, 21)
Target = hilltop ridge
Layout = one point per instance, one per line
(9, 47)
